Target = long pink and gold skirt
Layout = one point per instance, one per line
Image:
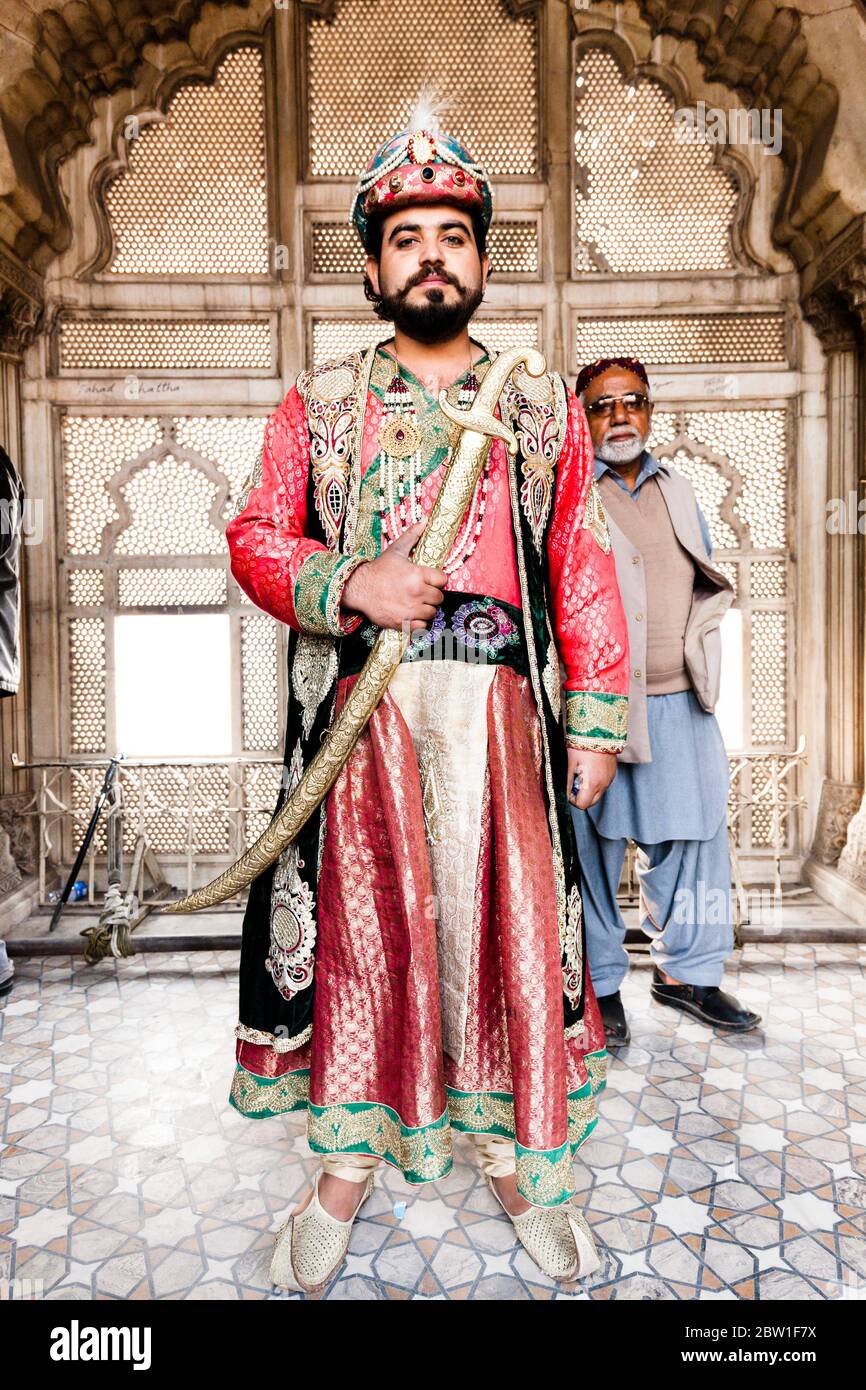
(438, 986)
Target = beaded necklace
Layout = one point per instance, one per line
(400, 465)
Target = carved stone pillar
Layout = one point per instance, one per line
(842, 789)
(21, 308)
(10, 874)
(835, 305)
(558, 31)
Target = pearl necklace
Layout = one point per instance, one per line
(400, 445)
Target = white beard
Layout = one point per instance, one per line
(625, 449)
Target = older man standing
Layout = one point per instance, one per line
(670, 796)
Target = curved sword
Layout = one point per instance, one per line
(479, 426)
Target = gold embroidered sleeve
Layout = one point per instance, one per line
(318, 591)
(595, 721)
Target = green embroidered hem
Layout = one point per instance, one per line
(359, 1127)
(596, 721)
(544, 1176)
(263, 1097)
(318, 590)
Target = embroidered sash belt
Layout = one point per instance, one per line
(474, 628)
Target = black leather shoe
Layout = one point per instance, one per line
(706, 1002)
(616, 1029)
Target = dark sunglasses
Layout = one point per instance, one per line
(632, 401)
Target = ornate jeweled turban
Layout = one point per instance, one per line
(420, 165)
(601, 364)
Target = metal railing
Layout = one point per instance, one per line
(196, 814)
(192, 812)
(765, 783)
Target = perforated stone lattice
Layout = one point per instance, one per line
(768, 578)
(181, 528)
(232, 441)
(260, 684)
(336, 249)
(164, 345)
(754, 442)
(261, 785)
(158, 799)
(769, 676)
(193, 200)
(94, 448)
(334, 337)
(85, 588)
(683, 339)
(160, 796)
(87, 681)
(171, 501)
(366, 65)
(754, 445)
(711, 490)
(643, 201)
(731, 571)
(152, 587)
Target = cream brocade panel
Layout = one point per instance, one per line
(444, 704)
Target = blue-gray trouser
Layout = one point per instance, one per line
(685, 905)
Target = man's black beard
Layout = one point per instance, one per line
(435, 320)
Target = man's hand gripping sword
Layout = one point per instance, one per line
(479, 426)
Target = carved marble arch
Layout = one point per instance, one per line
(166, 499)
(155, 108)
(726, 161)
(67, 56)
(72, 54)
(763, 50)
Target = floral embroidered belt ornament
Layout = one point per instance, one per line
(479, 426)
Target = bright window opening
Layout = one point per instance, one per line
(173, 684)
(729, 710)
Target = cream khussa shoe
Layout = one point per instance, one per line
(558, 1239)
(311, 1246)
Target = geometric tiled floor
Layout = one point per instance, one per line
(722, 1167)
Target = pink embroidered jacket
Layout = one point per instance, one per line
(299, 581)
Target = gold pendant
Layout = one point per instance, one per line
(399, 437)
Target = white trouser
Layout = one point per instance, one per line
(495, 1159)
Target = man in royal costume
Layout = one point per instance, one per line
(413, 963)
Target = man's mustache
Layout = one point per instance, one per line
(424, 273)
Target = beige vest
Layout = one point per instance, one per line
(669, 577)
(711, 597)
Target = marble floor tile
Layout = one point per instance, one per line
(723, 1167)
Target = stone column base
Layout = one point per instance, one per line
(852, 860)
(10, 874)
(18, 834)
(840, 802)
(837, 890)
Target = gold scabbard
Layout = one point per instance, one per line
(479, 426)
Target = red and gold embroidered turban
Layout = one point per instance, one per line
(420, 166)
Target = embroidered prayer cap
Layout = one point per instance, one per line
(421, 164)
(601, 364)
